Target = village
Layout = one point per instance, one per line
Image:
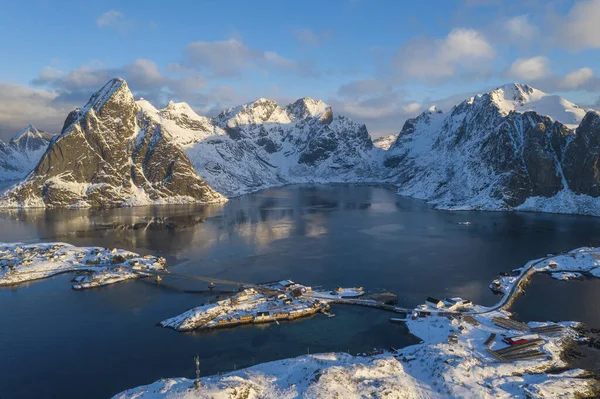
(261, 303)
(20, 263)
(467, 350)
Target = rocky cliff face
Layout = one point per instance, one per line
(22, 153)
(487, 155)
(110, 154)
(262, 144)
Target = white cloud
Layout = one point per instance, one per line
(279, 61)
(580, 29)
(113, 19)
(462, 49)
(362, 87)
(310, 38)
(411, 108)
(222, 58)
(576, 79)
(22, 105)
(232, 57)
(519, 29)
(529, 68)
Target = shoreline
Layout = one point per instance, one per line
(451, 348)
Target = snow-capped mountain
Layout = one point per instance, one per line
(511, 148)
(110, 154)
(22, 153)
(492, 152)
(385, 142)
(261, 144)
(522, 98)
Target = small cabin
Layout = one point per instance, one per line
(436, 303)
(552, 264)
(246, 318)
(262, 316)
(456, 303)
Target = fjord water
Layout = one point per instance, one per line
(56, 342)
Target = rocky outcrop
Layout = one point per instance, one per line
(582, 155)
(107, 155)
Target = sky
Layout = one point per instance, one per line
(378, 62)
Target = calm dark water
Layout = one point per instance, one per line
(550, 299)
(96, 343)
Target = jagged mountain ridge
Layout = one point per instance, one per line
(494, 151)
(21, 154)
(109, 154)
(261, 144)
(485, 155)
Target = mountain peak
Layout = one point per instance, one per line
(307, 107)
(256, 112)
(521, 98)
(116, 88)
(29, 131)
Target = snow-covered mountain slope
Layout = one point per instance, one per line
(484, 155)
(262, 144)
(22, 153)
(110, 154)
(385, 142)
(512, 148)
(183, 123)
(522, 98)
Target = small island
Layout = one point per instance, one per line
(20, 263)
(261, 303)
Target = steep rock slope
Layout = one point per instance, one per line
(496, 154)
(107, 155)
(22, 153)
(262, 144)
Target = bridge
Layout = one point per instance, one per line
(199, 278)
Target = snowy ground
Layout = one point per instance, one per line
(436, 368)
(249, 306)
(267, 302)
(20, 263)
(577, 263)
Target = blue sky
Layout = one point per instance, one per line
(378, 62)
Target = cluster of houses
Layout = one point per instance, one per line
(255, 305)
(13, 256)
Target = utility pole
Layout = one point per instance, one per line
(197, 382)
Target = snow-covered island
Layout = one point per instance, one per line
(21, 263)
(577, 263)
(467, 351)
(261, 303)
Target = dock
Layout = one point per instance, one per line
(509, 324)
(548, 330)
(524, 351)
